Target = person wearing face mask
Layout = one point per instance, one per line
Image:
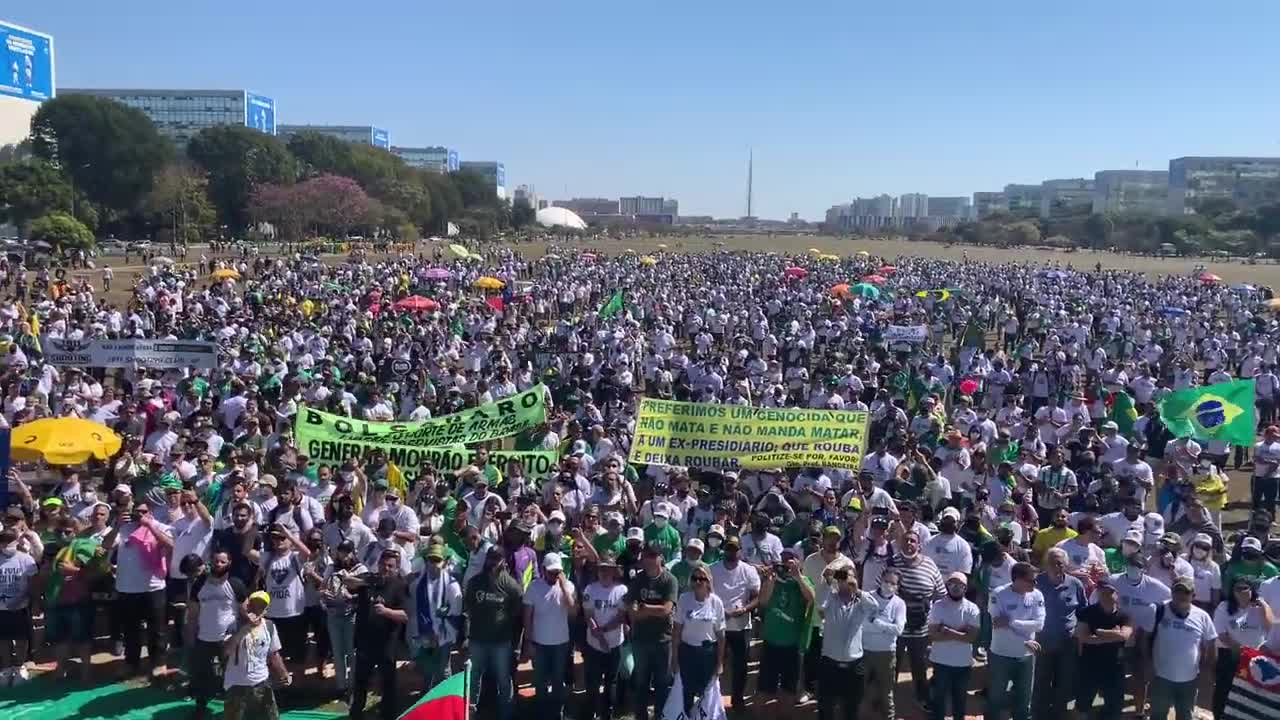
(817, 569)
(340, 611)
(1017, 615)
(1249, 563)
(1243, 619)
(1205, 572)
(846, 613)
(17, 568)
(1181, 648)
(714, 545)
(549, 602)
(492, 602)
(737, 584)
(435, 617)
(1138, 595)
(1166, 564)
(216, 596)
(554, 539)
(662, 534)
(346, 526)
(880, 642)
(950, 552)
(953, 624)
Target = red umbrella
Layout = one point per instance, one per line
(1209, 278)
(874, 279)
(796, 272)
(417, 303)
(888, 270)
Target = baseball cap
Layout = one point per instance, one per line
(832, 530)
(1133, 536)
(635, 533)
(552, 562)
(696, 544)
(1251, 543)
(661, 511)
(958, 577)
(607, 559)
(267, 480)
(1202, 539)
(261, 597)
(556, 515)
(733, 540)
(950, 512)
(717, 531)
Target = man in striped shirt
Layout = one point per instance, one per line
(919, 584)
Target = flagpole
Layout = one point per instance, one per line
(466, 690)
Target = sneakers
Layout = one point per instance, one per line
(803, 699)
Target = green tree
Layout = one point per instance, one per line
(1024, 233)
(522, 214)
(318, 154)
(62, 231)
(179, 203)
(108, 152)
(236, 160)
(474, 189)
(15, 152)
(30, 189)
(1098, 229)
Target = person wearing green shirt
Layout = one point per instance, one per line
(455, 535)
(787, 599)
(715, 545)
(1251, 565)
(612, 539)
(682, 568)
(491, 472)
(661, 533)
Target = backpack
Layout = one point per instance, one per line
(1160, 609)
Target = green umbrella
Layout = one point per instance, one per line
(866, 290)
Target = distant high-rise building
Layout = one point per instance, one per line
(912, 205)
(181, 114)
(494, 172)
(640, 205)
(27, 64)
(438, 159)
(355, 134)
(1249, 182)
(1022, 199)
(989, 203)
(586, 207)
(527, 194)
(1066, 197)
(949, 207)
(1141, 191)
(671, 206)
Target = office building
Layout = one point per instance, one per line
(527, 194)
(436, 159)
(26, 79)
(1066, 197)
(986, 204)
(640, 205)
(355, 134)
(1249, 182)
(587, 207)
(1131, 191)
(1022, 199)
(913, 205)
(494, 172)
(181, 114)
(949, 208)
(671, 206)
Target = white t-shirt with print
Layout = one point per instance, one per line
(735, 588)
(282, 579)
(191, 536)
(964, 616)
(699, 620)
(606, 604)
(1179, 642)
(1245, 627)
(247, 665)
(16, 572)
(550, 621)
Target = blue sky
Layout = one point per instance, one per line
(665, 98)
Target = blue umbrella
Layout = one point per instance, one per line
(1175, 311)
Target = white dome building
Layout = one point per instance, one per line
(560, 217)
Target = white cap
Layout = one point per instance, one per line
(556, 515)
(696, 544)
(716, 530)
(635, 533)
(552, 562)
(950, 512)
(1134, 536)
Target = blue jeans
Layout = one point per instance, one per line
(492, 657)
(342, 640)
(949, 683)
(652, 668)
(1181, 696)
(1002, 671)
(549, 663)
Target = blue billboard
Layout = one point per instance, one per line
(381, 139)
(260, 113)
(501, 173)
(453, 163)
(27, 63)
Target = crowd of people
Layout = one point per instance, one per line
(1020, 507)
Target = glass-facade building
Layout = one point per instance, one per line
(355, 134)
(436, 159)
(1249, 182)
(1136, 191)
(494, 172)
(181, 114)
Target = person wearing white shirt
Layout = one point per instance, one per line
(603, 608)
(549, 602)
(1017, 614)
(1181, 649)
(880, 643)
(950, 552)
(435, 616)
(953, 626)
(697, 650)
(737, 584)
(140, 583)
(252, 656)
(1242, 620)
(845, 612)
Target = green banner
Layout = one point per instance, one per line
(708, 435)
(326, 453)
(490, 421)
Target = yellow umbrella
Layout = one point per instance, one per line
(863, 253)
(815, 251)
(459, 250)
(1273, 304)
(648, 260)
(489, 283)
(62, 441)
(225, 274)
(829, 257)
(662, 246)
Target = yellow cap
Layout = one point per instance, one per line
(260, 595)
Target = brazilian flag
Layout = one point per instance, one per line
(1224, 411)
(612, 307)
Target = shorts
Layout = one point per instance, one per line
(15, 624)
(69, 623)
(293, 637)
(779, 669)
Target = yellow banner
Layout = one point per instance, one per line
(707, 435)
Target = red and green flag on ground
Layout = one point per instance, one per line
(446, 701)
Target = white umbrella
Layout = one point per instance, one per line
(161, 260)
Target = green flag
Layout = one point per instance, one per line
(455, 327)
(1215, 412)
(1123, 413)
(613, 307)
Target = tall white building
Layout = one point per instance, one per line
(1141, 191)
(913, 205)
(1064, 197)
